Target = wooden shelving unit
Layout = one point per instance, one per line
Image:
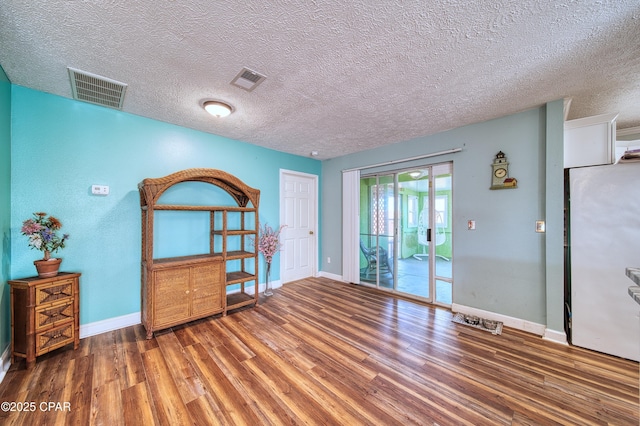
(181, 289)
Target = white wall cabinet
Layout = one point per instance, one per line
(590, 141)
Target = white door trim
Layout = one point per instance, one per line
(314, 178)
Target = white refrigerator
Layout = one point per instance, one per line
(604, 238)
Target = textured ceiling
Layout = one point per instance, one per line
(342, 76)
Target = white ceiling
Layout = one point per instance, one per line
(342, 76)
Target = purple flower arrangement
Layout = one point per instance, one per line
(42, 233)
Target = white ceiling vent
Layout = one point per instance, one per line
(248, 79)
(96, 89)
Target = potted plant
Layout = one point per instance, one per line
(42, 231)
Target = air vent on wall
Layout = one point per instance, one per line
(248, 79)
(96, 89)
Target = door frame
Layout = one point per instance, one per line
(314, 179)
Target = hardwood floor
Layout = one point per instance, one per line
(323, 352)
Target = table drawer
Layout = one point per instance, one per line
(54, 292)
(50, 316)
(54, 338)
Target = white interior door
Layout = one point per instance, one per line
(298, 207)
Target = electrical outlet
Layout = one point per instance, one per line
(100, 189)
(328, 260)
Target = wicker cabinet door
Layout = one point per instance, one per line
(171, 296)
(206, 285)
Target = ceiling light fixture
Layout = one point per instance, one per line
(415, 174)
(217, 108)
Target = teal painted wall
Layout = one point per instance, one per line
(501, 266)
(60, 147)
(5, 208)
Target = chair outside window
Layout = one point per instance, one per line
(371, 255)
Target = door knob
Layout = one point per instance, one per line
(310, 232)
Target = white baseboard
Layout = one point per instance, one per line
(331, 276)
(517, 323)
(262, 286)
(109, 324)
(555, 336)
(5, 362)
(123, 321)
(274, 284)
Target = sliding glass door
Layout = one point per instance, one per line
(377, 230)
(406, 233)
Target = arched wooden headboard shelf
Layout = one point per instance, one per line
(152, 188)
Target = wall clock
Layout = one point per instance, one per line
(500, 173)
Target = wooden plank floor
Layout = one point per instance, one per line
(322, 352)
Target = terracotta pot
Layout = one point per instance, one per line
(47, 268)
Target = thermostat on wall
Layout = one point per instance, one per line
(100, 189)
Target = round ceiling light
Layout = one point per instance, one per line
(217, 108)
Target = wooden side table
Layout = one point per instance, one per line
(45, 315)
